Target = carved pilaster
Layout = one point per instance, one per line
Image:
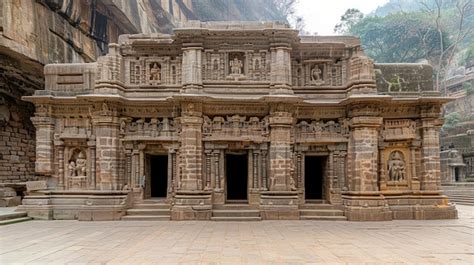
(191, 149)
(217, 171)
(191, 70)
(44, 144)
(128, 167)
(92, 154)
(255, 170)
(382, 171)
(59, 144)
(431, 176)
(281, 70)
(363, 152)
(264, 171)
(280, 151)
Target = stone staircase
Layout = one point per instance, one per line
(322, 211)
(13, 217)
(460, 193)
(149, 210)
(235, 212)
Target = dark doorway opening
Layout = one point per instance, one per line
(456, 174)
(159, 175)
(236, 172)
(314, 167)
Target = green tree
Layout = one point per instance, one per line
(469, 88)
(351, 17)
(399, 37)
(451, 119)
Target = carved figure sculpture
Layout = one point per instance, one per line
(81, 164)
(396, 166)
(316, 74)
(155, 72)
(236, 66)
(72, 168)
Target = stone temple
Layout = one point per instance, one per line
(237, 120)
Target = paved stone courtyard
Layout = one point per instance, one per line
(266, 242)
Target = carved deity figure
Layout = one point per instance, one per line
(155, 72)
(72, 168)
(81, 164)
(316, 74)
(396, 166)
(236, 66)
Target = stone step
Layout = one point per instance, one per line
(149, 212)
(324, 218)
(235, 213)
(145, 218)
(465, 203)
(315, 201)
(461, 197)
(151, 206)
(15, 220)
(154, 201)
(231, 207)
(12, 215)
(236, 218)
(324, 206)
(321, 213)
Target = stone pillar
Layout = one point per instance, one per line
(129, 167)
(191, 70)
(44, 144)
(208, 167)
(135, 169)
(415, 182)
(364, 153)
(92, 172)
(382, 171)
(217, 181)
(170, 170)
(255, 169)
(280, 75)
(107, 142)
(191, 147)
(280, 151)
(299, 170)
(264, 171)
(59, 144)
(430, 152)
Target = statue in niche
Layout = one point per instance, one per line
(236, 66)
(396, 166)
(155, 72)
(77, 166)
(81, 164)
(72, 168)
(316, 74)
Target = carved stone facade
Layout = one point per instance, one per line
(220, 113)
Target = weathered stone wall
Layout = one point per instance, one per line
(17, 142)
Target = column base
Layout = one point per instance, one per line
(398, 205)
(192, 205)
(279, 205)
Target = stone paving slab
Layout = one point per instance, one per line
(266, 242)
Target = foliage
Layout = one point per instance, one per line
(399, 37)
(451, 119)
(468, 55)
(351, 17)
(469, 88)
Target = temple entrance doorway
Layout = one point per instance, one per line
(314, 171)
(158, 175)
(236, 177)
